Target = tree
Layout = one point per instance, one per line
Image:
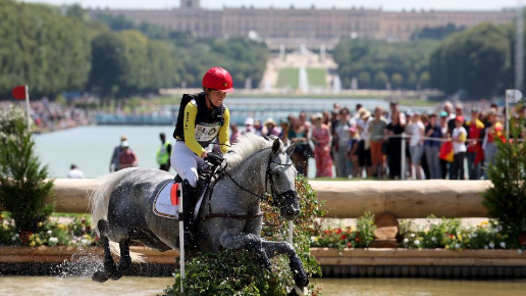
(397, 79)
(506, 198)
(364, 79)
(373, 56)
(109, 64)
(474, 60)
(380, 80)
(24, 182)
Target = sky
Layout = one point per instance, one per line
(216, 4)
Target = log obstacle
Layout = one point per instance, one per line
(344, 199)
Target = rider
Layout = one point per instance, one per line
(202, 118)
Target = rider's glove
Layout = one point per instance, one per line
(214, 158)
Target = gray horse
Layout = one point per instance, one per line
(229, 218)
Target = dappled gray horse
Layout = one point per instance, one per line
(229, 218)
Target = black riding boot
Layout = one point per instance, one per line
(188, 209)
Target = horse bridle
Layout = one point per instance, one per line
(275, 197)
(281, 197)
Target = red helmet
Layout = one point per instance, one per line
(219, 79)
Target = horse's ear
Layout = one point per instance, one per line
(290, 149)
(275, 146)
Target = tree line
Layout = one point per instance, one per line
(478, 62)
(56, 49)
(377, 64)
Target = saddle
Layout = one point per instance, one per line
(166, 202)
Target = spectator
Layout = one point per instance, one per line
(284, 135)
(493, 133)
(75, 173)
(341, 142)
(393, 106)
(271, 129)
(394, 147)
(448, 108)
(444, 129)
(303, 120)
(326, 118)
(127, 157)
(377, 132)
(364, 151)
(322, 149)
(452, 125)
(352, 149)
(163, 153)
(302, 152)
(475, 153)
(235, 133)
(416, 146)
(459, 136)
(432, 147)
(258, 128)
(249, 126)
(114, 162)
(452, 121)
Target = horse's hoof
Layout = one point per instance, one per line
(297, 292)
(99, 276)
(116, 275)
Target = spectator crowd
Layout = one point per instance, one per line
(49, 116)
(455, 142)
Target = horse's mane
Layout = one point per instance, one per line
(246, 146)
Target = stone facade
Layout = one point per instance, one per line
(306, 23)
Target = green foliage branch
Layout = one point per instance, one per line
(24, 182)
(506, 198)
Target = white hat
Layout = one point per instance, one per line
(249, 121)
(125, 144)
(270, 120)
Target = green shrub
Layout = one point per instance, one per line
(51, 233)
(506, 198)
(23, 181)
(339, 238)
(450, 234)
(236, 272)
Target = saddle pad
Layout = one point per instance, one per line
(166, 203)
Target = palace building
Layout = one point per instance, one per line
(311, 25)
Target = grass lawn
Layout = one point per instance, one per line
(288, 78)
(316, 77)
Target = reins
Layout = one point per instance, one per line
(268, 177)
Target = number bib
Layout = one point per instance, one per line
(205, 133)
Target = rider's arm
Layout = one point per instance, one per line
(190, 113)
(224, 138)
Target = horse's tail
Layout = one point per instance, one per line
(99, 201)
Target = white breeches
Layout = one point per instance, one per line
(186, 163)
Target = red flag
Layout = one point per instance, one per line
(446, 152)
(19, 92)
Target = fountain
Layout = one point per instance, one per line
(303, 81)
(336, 84)
(282, 52)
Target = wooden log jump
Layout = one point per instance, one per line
(344, 199)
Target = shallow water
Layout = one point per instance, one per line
(139, 286)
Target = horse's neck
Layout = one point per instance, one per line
(251, 173)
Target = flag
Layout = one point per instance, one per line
(19, 92)
(446, 152)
